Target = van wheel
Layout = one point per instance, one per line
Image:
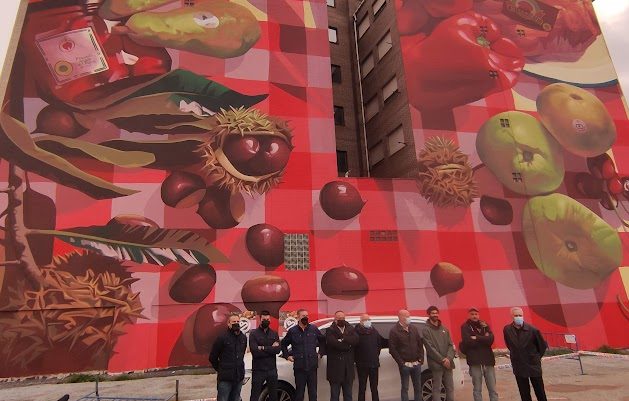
(285, 392)
(427, 387)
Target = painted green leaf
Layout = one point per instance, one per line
(141, 244)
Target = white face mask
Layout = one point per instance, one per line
(367, 323)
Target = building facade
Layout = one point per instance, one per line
(153, 183)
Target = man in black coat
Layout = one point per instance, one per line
(303, 339)
(477, 339)
(227, 358)
(340, 341)
(367, 353)
(526, 348)
(264, 344)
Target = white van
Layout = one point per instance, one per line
(389, 376)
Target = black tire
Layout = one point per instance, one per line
(285, 392)
(427, 387)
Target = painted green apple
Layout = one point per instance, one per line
(577, 119)
(521, 153)
(568, 242)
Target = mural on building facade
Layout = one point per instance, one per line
(154, 182)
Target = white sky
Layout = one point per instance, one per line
(613, 16)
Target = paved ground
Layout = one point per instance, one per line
(605, 380)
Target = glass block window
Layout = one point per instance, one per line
(383, 235)
(296, 251)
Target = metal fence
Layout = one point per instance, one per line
(97, 396)
(564, 345)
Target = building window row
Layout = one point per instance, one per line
(377, 6)
(368, 64)
(394, 141)
(372, 107)
(331, 3)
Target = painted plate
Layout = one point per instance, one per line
(594, 68)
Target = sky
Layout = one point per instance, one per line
(613, 16)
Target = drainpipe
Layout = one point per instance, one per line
(360, 88)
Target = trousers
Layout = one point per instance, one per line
(415, 374)
(335, 390)
(525, 388)
(229, 391)
(303, 379)
(258, 378)
(477, 372)
(442, 377)
(372, 375)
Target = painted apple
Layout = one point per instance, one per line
(577, 119)
(568, 242)
(521, 153)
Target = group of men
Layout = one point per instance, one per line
(351, 349)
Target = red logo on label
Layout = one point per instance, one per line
(66, 45)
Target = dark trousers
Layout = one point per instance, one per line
(229, 391)
(525, 389)
(415, 374)
(258, 378)
(305, 378)
(335, 390)
(363, 375)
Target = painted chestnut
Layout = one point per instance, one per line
(265, 244)
(192, 284)
(240, 149)
(182, 189)
(220, 208)
(344, 283)
(265, 293)
(205, 325)
(132, 220)
(497, 211)
(446, 278)
(340, 200)
(53, 120)
(272, 157)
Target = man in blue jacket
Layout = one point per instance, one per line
(303, 339)
(227, 358)
(264, 344)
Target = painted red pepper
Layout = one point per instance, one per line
(413, 16)
(464, 59)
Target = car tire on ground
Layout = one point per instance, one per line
(427, 387)
(285, 392)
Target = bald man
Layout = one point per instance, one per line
(407, 348)
(370, 343)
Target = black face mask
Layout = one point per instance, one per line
(304, 320)
(235, 327)
(340, 323)
(265, 324)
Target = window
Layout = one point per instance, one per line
(330, 3)
(384, 45)
(396, 140)
(366, 66)
(363, 26)
(341, 162)
(376, 154)
(336, 74)
(372, 108)
(332, 37)
(339, 115)
(296, 252)
(389, 89)
(377, 6)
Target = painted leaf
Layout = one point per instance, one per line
(180, 85)
(74, 147)
(169, 154)
(17, 146)
(141, 244)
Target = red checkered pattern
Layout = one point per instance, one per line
(498, 271)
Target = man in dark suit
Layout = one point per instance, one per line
(303, 338)
(264, 344)
(227, 358)
(526, 348)
(340, 341)
(370, 342)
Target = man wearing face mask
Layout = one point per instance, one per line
(407, 349)
(264, 344)
(303, 339)
(440, 354)
(340, 341)
(367, 353)
(227, 358)
(526, 348)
